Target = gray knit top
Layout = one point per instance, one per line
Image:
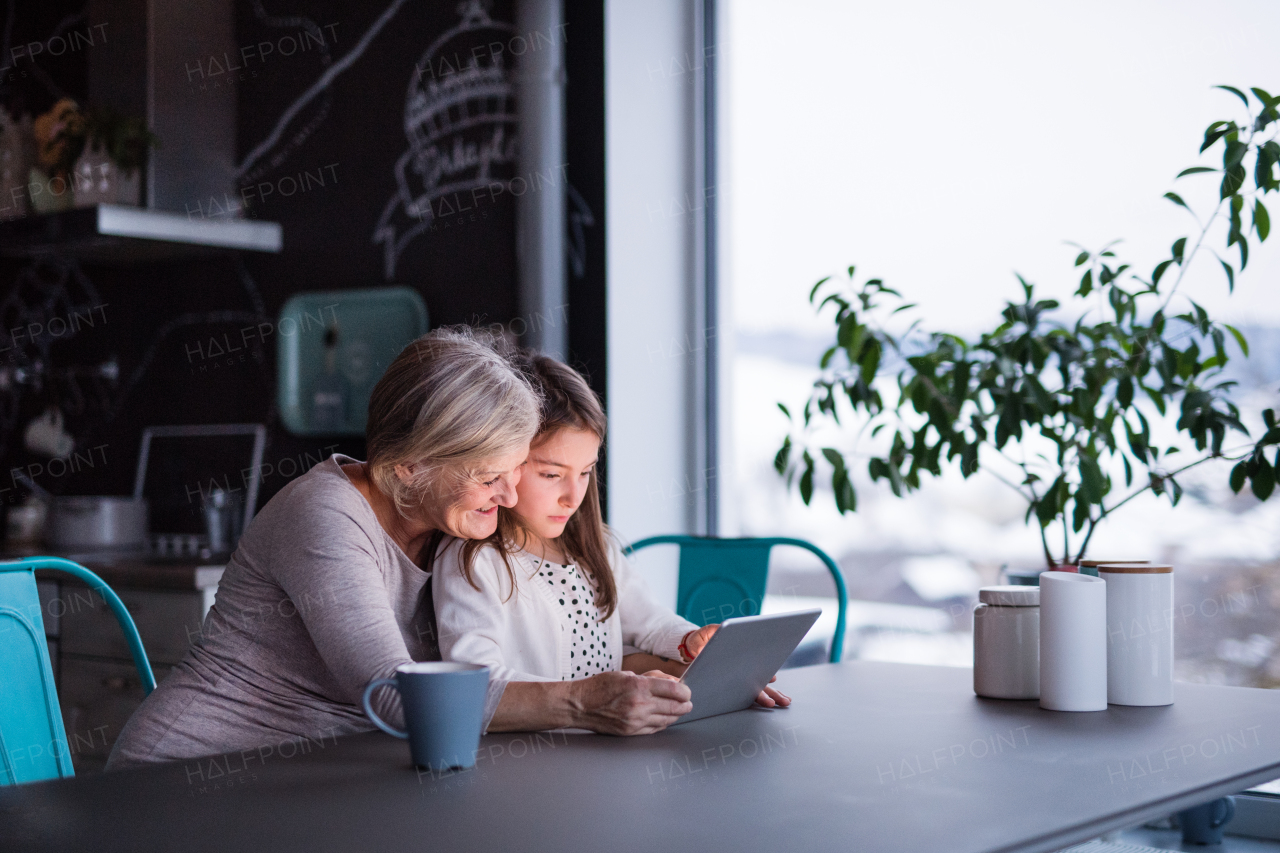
(316, 602)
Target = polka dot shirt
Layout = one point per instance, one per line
(578, 615)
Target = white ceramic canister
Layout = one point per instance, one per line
(1006, 642)
(1073, 642)
(1139, 633)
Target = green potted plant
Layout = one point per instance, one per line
(1059, 409)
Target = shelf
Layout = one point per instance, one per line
(121, 235)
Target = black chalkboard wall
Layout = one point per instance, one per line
(155, 320)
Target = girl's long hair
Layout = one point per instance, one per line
(567, 403)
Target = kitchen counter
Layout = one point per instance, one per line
(138, 569)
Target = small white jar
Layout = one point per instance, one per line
(1006, 642)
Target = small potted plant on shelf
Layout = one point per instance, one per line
(114, 150)
(83, 158)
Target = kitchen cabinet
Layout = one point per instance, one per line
(98, 696)
(167, 621)
(98, 685)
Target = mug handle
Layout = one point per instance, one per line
(378, 721)
(1227, 813)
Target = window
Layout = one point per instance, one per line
(941, 147)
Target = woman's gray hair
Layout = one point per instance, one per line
(449, 400)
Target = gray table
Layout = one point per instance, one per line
(876, 757)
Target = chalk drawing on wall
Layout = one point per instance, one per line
(460, 119)
(315, 36)
(321, 86)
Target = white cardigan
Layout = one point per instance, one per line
(520, 637)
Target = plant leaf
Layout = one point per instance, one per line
(1263, 481)
(1235, 333)
(1176, 199)
(1261, 220)
(1156, 398)
(846, 497)
(813, 293)
(1231, 275)
(1233, 90)
(806, 480)
(1194, 170)
(1124, 391)
(1238, 476)
(1159, 270)
(1091, 479)
(1086, 284)
(1232, 181)
(783, 456)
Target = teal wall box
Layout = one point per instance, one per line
(333, 346)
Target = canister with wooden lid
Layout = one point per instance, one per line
(1006, 642)
(1090, 567)
(1139, 633)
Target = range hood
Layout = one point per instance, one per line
(153, 66)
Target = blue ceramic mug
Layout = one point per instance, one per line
(1203, 824)
(443, 710)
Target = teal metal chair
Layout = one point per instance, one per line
(33, 742)
(721, 578)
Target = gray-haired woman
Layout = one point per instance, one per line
(326, 593)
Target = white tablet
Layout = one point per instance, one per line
(741, 657)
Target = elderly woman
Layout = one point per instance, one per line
(326, 591)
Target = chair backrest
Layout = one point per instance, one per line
(723, 578)
(33, 742)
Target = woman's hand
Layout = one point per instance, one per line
(623, 703)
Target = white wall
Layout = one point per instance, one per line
(656, 480)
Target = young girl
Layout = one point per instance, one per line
(550, 596)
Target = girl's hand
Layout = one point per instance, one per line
(657, 673)
(773, 698)
(695, 641)
(643, 664)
